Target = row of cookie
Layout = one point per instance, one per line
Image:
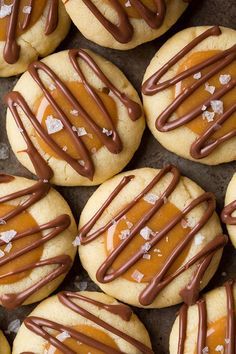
(32, 29)
(151, 231)
(82, 124)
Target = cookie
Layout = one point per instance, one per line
(37, 230)
(80, 114)
(151, 238)
(4, 346)
(28, 30)
(82, 322)
(208, 326)
(189, 94)
(124, 24)
(228, 214)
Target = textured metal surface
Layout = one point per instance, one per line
(150, 153)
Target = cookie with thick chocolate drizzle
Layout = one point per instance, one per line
(189, 94)
(209, 326)
(29, 29)
(122, 24)
(82, 322)
(37, 231)
(228, 214)
(154, 233)
(81, 114)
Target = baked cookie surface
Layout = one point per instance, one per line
(36, 234)
(189, 94)
(4, 346)
(151, 238)
(28, 30)
(124, 24)
(208, 326)
(80, 114)
(82, 322)
(228, 215)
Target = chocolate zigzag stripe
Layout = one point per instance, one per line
(38, 325)
(160, 280)
(205, 144)
(113, 143)
(35, 193)
(227, 214)
(12, 49)
(230, 346)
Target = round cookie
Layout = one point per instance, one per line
(4, 346)
(29, 30)
(208, 326)
(228, 215)
(188, 94)
(36, 240)
(154, 233)
(80, 114)
(82, 322)
(124, 25)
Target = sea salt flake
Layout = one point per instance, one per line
(209, 116)
(2, 254)
(107, 132)
(197, 76)
(2, 222)
(52, 87)
(74, 128)
(146, 256)
(217, 106)
(124, 234)
(8, 247)
(128, 4)
(224, 79)
(13, 326)
(63, 336)
(157, 250)
(81, 162)
(198, 239)
(5, 10)
(81, 131)
(191, 221)
(7, 236)
(54, 125)
(146, 247)
(65, 148)
(205, 350)
(146, 232)
(76, 241)
(74, 112)
(27, 9)
(209, 88)
(4, 151)
(151, 198)
(227, 340)
(138, 276)
(51, 350)
(204, 108)
(129, 224)
(219, 348)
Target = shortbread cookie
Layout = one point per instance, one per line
(228, 215)
(82, 322)
(4, 346)
(28, 30)
(189, 94)
(37, 231)
(208, 326)
(124, 24)
(151, 238)
(77, 111)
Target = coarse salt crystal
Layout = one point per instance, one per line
(137, 276)
(217, 106)
(191, 221)
(124, 234)
(63, 336)
(81, 131)
(204, 108)
(107, 132)
(74, 112)
(81, 162)
(151, 198)
(219, 348)
(146, 247)
(54, 125)
(65, 148)
(146, 232)
(129, 224)
(209, 116)
(76, 241)
(197, 76)
(146, 256)
(8, 247)
(27, 9)
(205, 350)
(7, 236)
(227, 340)
(5, 10)
(198, 239)
(52, 87)
(2, 254)
(224, 79)
(209, 88)
(128, 4)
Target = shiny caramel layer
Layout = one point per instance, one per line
(43, 110)
(81, 348)
(200, 124)
(36, 12)
(147, 267)
(132, 12)
(18, 224)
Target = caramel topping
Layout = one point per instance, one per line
(62, 137)
(132, 11)
(216, 335)
(148, 267)
(81, 348)
(199, 125)
(19, 224)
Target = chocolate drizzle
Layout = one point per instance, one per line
(105, 274)
(35, 193)
(38, 325)
(230, 343)
(227, 214)
(11, 52)
(205, 144)
(112, 142)
(123, 32)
